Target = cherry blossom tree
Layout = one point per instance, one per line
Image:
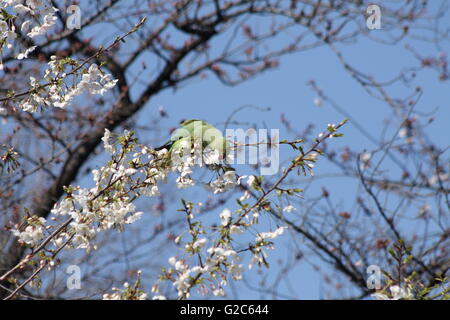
(78, 171)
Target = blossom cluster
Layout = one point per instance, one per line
(210, 257)
(219, 260)
(108, 204)
(53, 90)
(57, 94)
(396, 293)
(128, 292)
(39, 17)
(34, 231)
(93, 81)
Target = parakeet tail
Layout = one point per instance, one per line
(167, 146)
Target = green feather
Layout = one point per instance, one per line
(197, 130)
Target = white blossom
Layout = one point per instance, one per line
(151, 191)
(95, 81)
(172, 260)
(236, 230)
(32, 234)
(224, 182)
(184, 182)
(182, 284)
(199, 243)
(107, 142)
(289, 208)
(49, 20)
(435, 178)
(397, 293)
(122, 294)
(218, 292)
(270, 235)
(225, 217)
(236, 271)
(25, 54)
(365, 160)
(211, 156)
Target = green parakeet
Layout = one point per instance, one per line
(195, 132)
